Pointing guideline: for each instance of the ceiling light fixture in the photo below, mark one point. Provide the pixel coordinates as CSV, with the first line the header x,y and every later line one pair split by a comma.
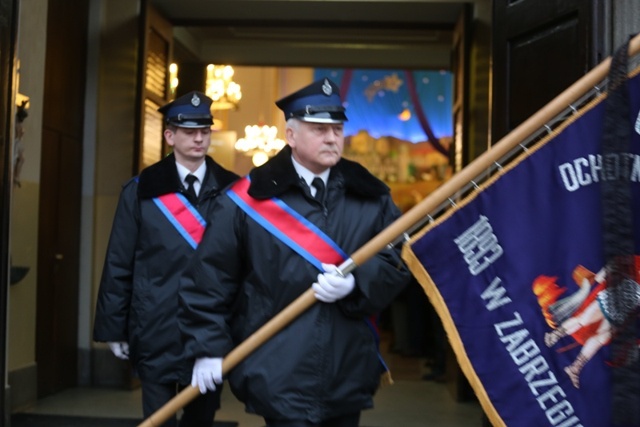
x,y
260,142
220,87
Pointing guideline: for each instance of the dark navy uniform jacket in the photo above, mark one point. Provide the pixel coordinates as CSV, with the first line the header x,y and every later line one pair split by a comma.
x,y
138,296
325,363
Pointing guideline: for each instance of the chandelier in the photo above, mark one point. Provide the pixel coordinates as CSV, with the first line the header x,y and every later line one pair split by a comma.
x,y
221,88
260,142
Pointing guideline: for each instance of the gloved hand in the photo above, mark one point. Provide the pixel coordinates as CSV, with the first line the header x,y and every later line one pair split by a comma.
x,y
207,372
120,349
331,286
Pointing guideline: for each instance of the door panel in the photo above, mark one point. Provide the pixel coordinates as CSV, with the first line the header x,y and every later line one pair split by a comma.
x,y
60,196
540,48
58,242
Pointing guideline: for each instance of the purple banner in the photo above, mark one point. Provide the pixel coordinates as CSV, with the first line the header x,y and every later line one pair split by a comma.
x,y
515,272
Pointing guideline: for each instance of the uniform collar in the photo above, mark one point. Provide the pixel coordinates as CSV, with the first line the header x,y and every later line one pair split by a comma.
x,y
198,173
307,175
162,178
278,175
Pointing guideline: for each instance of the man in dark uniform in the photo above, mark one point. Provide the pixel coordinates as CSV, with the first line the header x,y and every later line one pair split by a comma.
x,y
158,224
324,368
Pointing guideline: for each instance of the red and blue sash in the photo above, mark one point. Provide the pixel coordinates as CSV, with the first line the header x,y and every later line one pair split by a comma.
x,y
183,216
289,226
295,231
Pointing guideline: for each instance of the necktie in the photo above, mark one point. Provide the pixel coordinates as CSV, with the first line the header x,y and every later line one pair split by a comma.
x,y
191,190
318,183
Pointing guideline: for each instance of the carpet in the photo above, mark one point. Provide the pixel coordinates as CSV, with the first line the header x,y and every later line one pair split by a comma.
x,y
43,420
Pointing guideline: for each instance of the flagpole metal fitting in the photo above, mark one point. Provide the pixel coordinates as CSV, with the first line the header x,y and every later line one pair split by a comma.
x,y
346,267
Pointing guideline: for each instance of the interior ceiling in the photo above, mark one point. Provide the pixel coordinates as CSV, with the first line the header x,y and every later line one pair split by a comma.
x,y
318,33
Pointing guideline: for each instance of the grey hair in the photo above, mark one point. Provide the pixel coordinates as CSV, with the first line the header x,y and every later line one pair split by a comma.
x,y
292,123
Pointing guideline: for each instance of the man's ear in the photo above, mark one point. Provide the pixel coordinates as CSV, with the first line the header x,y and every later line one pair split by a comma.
x,y
289,135
168,136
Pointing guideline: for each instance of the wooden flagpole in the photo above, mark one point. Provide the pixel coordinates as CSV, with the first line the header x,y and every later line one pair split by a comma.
x,y
412,217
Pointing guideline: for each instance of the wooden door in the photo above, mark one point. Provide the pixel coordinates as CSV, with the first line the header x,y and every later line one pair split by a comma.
x,y
540,48
60,195
58,247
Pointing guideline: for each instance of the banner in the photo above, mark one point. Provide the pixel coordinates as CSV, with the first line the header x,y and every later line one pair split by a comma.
x,y
515,272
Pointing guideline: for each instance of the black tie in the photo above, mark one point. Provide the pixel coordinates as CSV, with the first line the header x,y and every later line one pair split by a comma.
x,y
191,190
319,184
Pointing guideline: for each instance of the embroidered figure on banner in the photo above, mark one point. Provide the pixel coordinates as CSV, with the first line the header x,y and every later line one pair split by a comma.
x,y
587,315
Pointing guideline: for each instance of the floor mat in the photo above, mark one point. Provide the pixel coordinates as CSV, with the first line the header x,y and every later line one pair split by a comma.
x,y
43,420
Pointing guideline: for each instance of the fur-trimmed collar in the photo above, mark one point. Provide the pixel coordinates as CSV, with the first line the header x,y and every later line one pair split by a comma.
x,y
278,175
162,178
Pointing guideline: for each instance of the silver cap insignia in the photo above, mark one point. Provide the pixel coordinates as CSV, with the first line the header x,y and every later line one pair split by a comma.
x,y
326,88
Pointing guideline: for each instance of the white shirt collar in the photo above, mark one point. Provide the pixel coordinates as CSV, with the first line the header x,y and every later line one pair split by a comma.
x,y
199,173
307,175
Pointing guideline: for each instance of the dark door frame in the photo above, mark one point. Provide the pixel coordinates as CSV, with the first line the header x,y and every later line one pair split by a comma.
x,y
8,37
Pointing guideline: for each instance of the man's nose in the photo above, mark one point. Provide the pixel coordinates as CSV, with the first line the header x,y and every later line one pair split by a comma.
x,y
331,136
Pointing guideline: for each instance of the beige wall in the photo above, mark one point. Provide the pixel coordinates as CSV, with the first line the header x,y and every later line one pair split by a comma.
x,y
24,208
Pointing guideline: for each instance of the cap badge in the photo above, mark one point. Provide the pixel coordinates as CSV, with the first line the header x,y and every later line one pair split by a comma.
x,y
195,101
326,88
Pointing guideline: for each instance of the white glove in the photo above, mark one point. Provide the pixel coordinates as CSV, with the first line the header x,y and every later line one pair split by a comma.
x,y
331,286
207,372
120,349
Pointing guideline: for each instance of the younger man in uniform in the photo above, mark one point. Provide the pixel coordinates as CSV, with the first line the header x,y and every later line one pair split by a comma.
x,y
158,224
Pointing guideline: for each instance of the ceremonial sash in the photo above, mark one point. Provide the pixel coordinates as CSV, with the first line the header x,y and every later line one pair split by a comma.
x,y
289,226
295,231
183,216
